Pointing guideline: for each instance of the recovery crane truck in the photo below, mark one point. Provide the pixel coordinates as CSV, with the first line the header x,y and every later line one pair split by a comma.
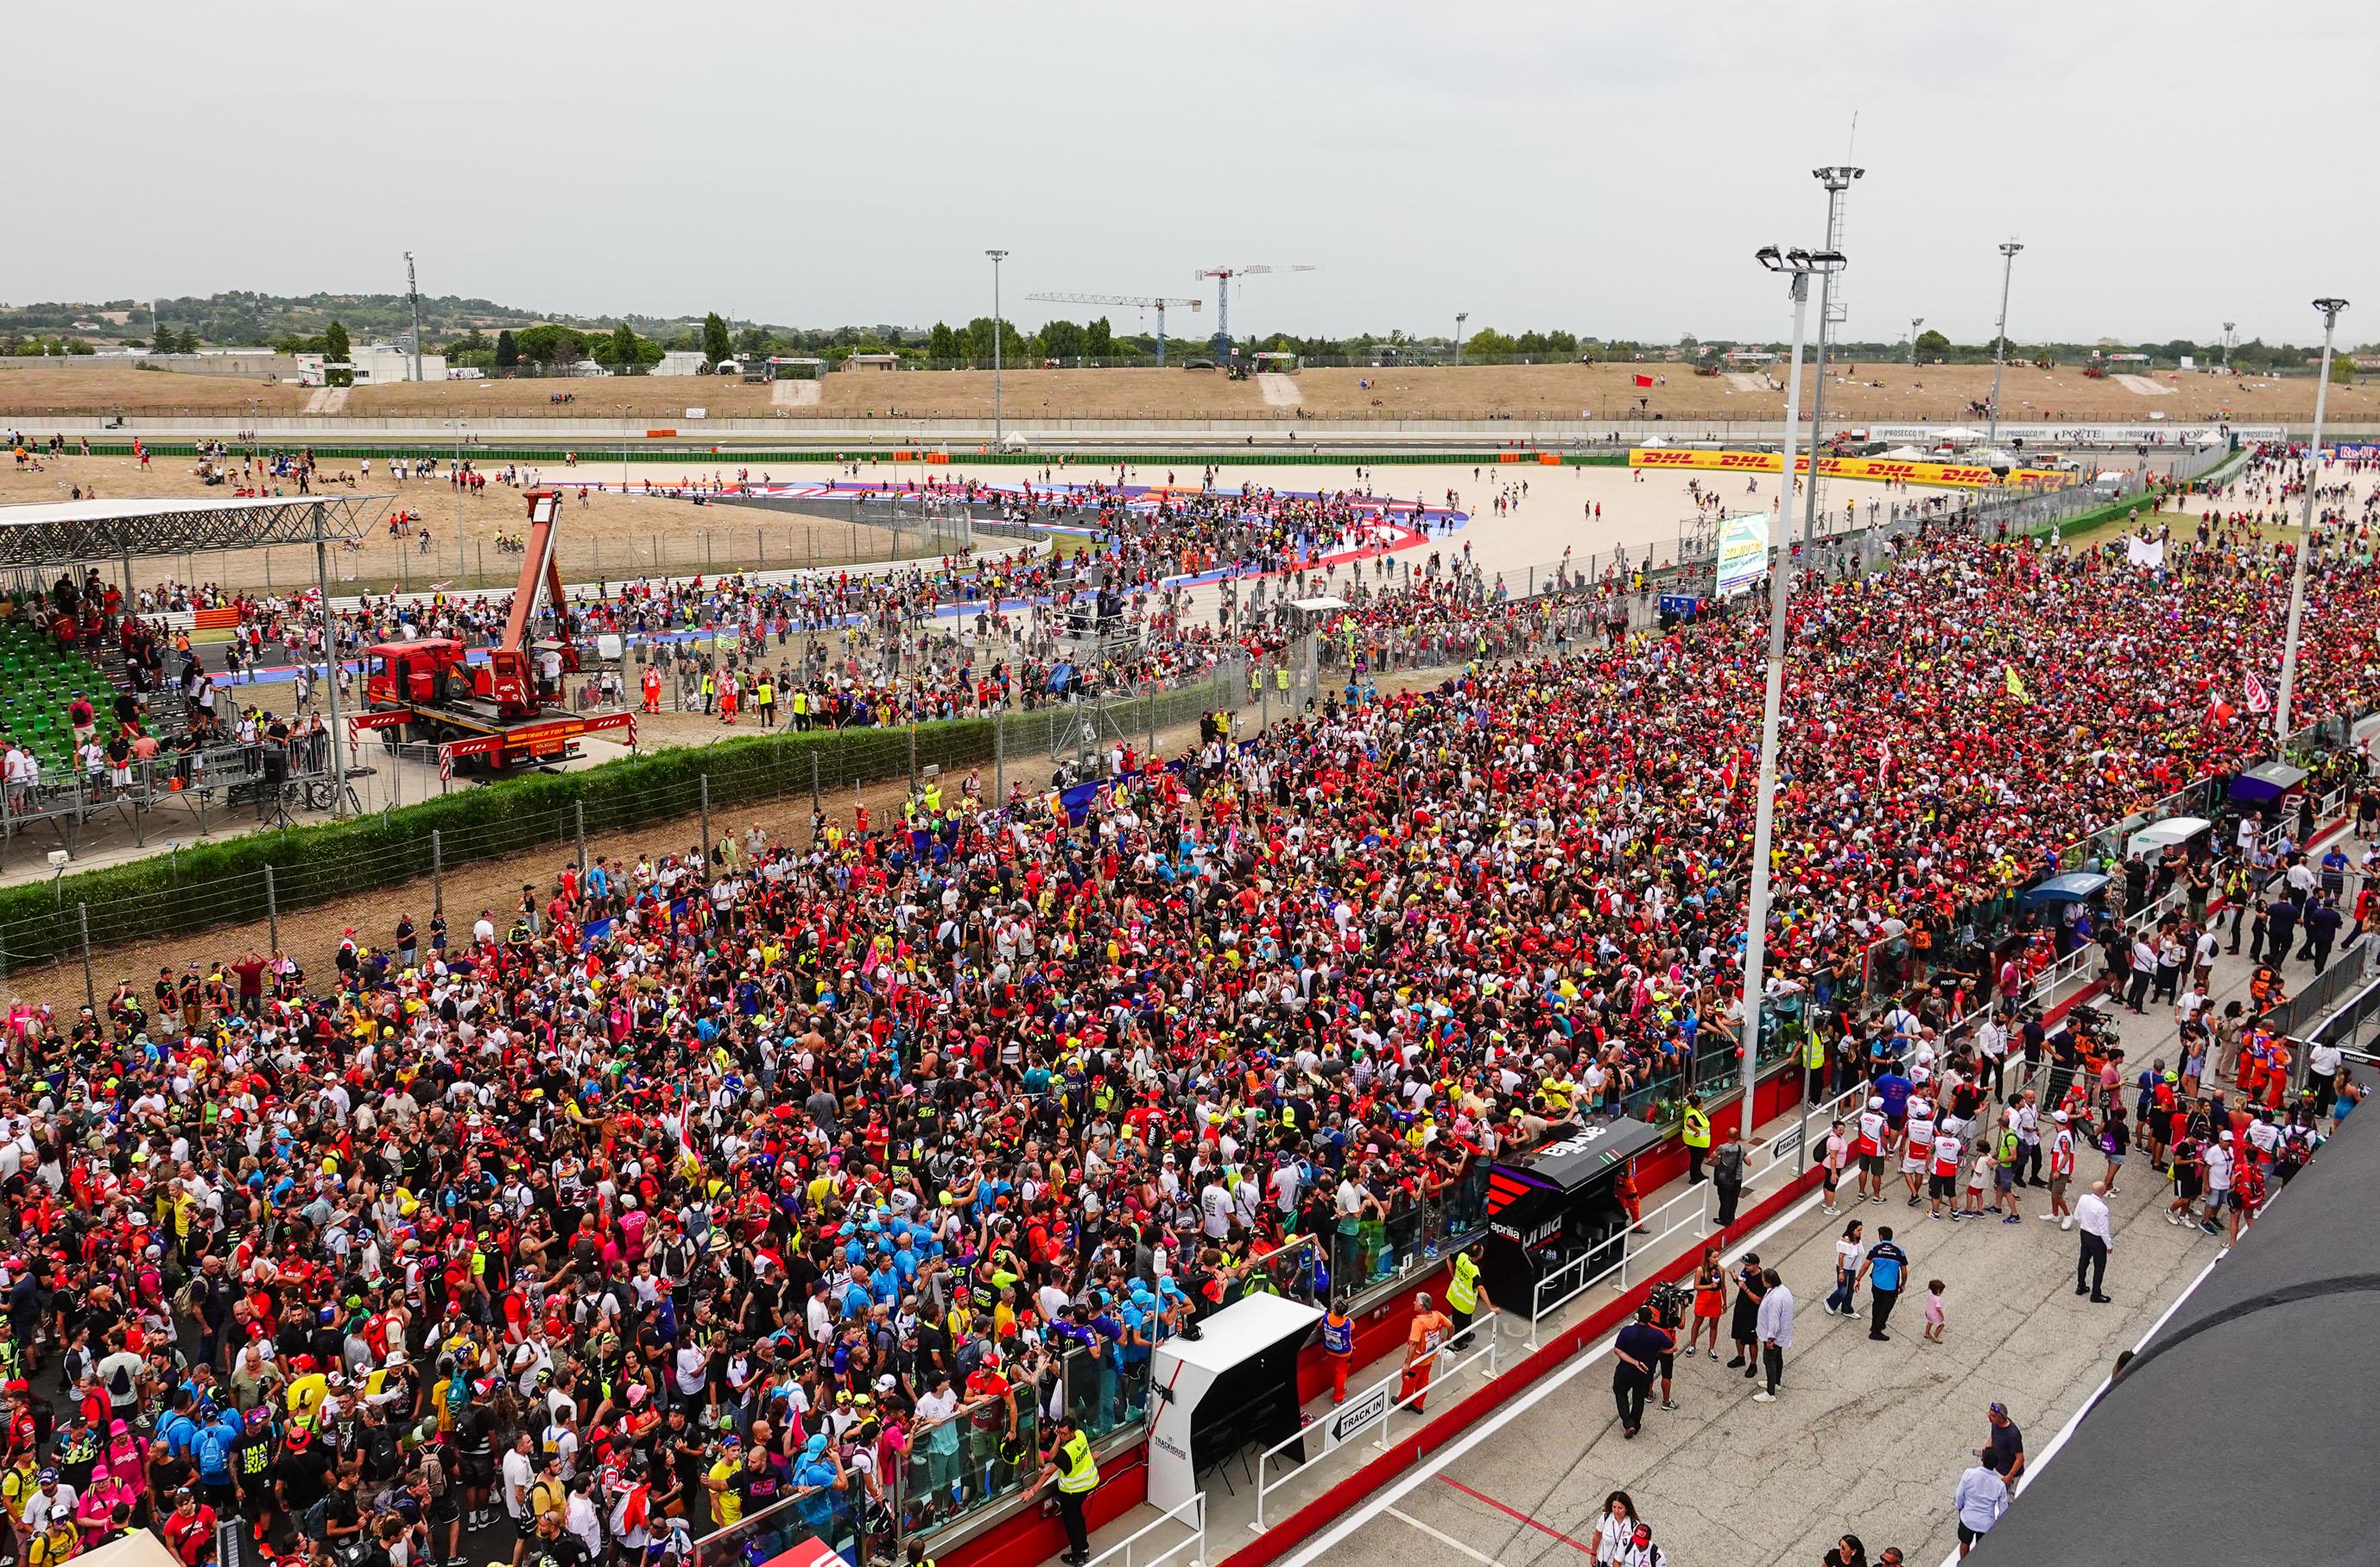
x,y
511,710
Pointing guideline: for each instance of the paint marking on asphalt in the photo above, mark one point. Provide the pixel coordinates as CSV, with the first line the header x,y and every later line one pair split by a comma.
x,y
1441,1537
1373,1507
1516,1513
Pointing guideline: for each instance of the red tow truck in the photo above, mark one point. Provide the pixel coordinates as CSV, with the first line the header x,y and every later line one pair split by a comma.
x,y
512,708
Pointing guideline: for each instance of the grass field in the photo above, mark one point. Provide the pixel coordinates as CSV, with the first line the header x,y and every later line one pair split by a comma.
x,y
1855,394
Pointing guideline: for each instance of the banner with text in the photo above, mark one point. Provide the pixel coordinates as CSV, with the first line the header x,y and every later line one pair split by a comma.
x,y
1743,553
1968,476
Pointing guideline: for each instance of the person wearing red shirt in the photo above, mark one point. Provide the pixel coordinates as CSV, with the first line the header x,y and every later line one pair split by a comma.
x,y
189,1529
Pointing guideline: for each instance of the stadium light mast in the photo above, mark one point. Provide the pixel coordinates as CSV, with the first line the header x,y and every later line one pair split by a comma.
x,y
997,257
1999,346
413,297
2230,327
1460,317
1914,323
1837,179
1798,265
2330,309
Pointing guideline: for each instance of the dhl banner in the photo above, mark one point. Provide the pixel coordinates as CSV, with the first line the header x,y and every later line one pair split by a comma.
x,y
1961,475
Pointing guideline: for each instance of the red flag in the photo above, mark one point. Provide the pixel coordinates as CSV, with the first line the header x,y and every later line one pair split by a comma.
x,y
2258,700
1643,381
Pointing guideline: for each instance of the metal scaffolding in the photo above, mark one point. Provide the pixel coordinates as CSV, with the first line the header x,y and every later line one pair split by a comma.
x,y
60,533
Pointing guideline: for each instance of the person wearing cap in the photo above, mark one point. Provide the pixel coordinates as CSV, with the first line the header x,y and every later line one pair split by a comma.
x,y
1424,1337
51,1498
189,1529
2061,1168
1069,1468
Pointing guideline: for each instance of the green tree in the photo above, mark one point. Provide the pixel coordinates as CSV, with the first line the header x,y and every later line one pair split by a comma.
x,y
1932,344
507,350
335,346
618,352
1487,341
943,344
474,342
716,343
552,347
754,341
1064,340
2342,371
1098,340
1562,343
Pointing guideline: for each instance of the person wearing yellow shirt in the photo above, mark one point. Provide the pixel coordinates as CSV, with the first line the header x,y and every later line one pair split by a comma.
x,y
306,1395
726,1501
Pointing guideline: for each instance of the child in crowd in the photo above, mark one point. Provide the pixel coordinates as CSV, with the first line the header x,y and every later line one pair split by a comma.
x,y
1933,1319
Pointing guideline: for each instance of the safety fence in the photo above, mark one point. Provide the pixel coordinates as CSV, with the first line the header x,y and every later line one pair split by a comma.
x,y
1373,1409
256,877
1187,1521
1784,1153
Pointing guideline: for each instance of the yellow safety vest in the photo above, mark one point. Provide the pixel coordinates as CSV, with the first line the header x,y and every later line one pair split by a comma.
x,y
1814,1052
1081,1473
1697,1132
1462,1290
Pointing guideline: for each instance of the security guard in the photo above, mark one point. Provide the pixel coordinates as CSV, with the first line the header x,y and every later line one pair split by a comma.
x,y
1069,1463
1696,1136
1463,1295
1814,1060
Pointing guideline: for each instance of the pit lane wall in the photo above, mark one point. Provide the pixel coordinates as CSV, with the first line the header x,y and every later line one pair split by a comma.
x,y
1028,1538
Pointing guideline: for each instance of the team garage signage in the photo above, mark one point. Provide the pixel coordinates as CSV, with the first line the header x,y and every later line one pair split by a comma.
x,y
1961,475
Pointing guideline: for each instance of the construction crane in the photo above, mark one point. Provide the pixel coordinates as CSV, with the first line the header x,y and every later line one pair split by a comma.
x,y
1222,276
1137,301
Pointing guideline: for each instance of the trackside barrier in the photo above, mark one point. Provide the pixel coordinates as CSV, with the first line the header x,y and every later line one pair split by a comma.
x,y
1376,1406
1190,1515
1689,1210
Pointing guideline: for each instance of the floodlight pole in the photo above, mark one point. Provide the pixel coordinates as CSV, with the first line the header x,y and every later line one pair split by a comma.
x,y
2330,309
1460,317
1914,323
331,662
1837,179
1798,265
1999,346
997,257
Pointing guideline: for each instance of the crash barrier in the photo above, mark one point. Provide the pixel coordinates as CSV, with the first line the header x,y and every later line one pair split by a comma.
x,y
1186,1518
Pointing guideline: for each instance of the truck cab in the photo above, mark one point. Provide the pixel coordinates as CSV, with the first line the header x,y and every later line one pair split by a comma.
x,y
429,671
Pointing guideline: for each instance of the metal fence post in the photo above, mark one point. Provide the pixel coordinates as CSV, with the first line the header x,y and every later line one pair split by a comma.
x,y
913,756
1152,718
998,756
578,820
90,991
437,872
814,780
271,909
706,821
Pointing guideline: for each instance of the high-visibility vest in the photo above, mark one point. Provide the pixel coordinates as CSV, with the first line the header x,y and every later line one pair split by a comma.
x,y
1462,1290
1697,1131
1081,1474
1338,1334
1814,1052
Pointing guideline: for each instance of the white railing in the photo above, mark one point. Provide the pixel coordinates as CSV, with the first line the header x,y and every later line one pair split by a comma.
x,y
1190,1514
1690,1208
1376,1406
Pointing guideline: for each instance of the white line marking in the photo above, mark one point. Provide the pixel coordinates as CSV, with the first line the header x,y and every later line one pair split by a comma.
x,y
1376,1505
2074,1421
1441,1537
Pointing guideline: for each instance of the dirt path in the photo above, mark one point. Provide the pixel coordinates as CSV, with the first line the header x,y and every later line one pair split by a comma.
x,y
312,934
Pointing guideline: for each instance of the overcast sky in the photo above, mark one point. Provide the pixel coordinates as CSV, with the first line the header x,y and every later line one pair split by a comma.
x,y
1608,169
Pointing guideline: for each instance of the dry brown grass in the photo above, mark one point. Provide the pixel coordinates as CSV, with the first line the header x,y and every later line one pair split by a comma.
x,y
1857,393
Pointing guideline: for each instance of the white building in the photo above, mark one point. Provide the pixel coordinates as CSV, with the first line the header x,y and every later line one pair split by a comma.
x,y
680,361
374,365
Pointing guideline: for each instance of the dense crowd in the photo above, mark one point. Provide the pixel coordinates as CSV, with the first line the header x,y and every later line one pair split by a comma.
x,y
840,1168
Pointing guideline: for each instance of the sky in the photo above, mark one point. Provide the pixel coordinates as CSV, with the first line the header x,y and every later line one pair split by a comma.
x,y
1605,169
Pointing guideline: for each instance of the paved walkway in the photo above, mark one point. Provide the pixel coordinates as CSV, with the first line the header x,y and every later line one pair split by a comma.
x,y
1867,1438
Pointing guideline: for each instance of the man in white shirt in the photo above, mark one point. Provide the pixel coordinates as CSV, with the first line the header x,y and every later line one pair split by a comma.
x,y
1776,1330
2098,1235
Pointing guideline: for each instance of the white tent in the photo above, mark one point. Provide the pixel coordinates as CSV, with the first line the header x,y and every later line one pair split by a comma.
x,y
2165,834
138,1549
2211,438
1958,433
1906,455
